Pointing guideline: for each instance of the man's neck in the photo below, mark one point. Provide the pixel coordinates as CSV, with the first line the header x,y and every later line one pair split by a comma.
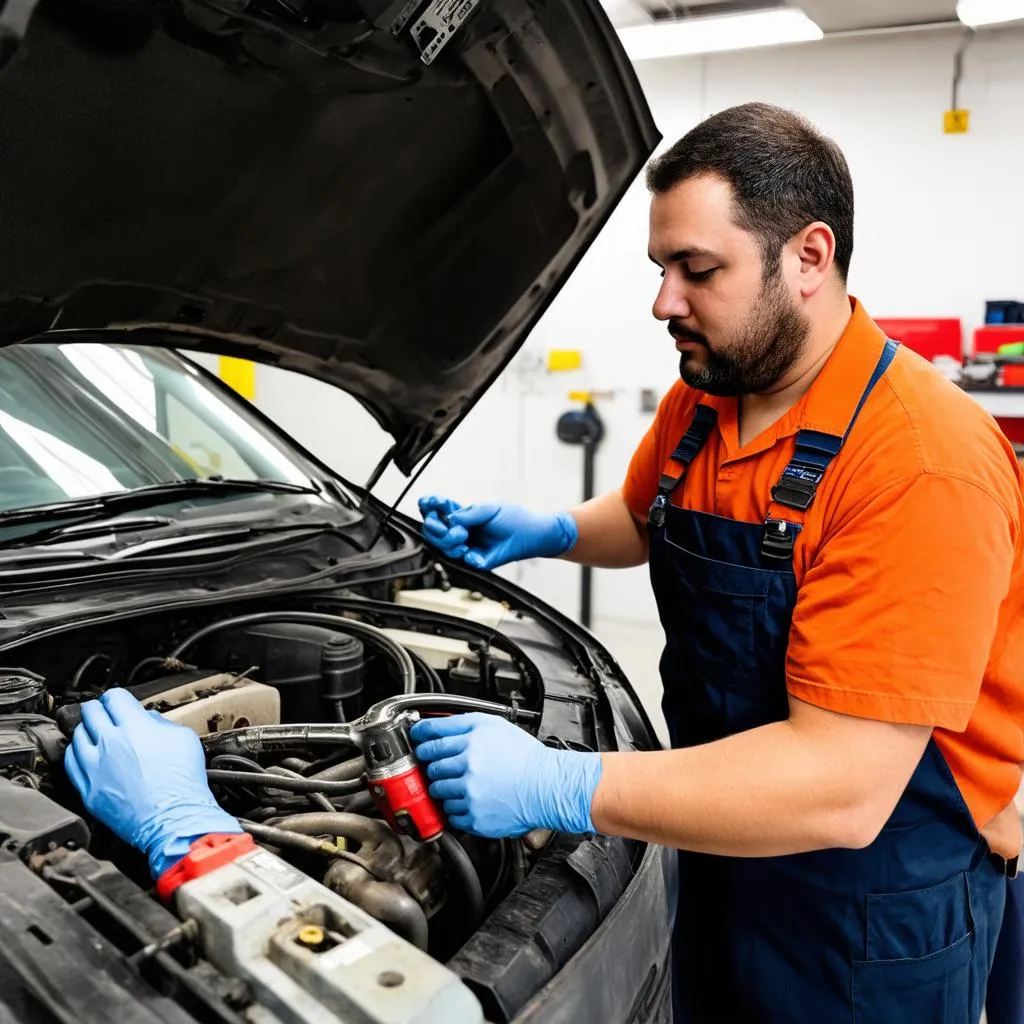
x,y
759,411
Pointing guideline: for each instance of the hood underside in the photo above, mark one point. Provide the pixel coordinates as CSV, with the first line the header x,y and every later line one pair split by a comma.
x,y
291,181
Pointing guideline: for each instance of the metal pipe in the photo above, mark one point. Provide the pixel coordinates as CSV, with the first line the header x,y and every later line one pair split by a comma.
x,y
388,902
260,738
385,900
441,702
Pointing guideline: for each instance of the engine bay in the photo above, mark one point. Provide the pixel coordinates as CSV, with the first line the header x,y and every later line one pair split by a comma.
x,y
282,698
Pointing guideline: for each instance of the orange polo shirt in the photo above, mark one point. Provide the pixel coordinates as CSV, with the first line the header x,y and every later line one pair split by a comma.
x,y
910,563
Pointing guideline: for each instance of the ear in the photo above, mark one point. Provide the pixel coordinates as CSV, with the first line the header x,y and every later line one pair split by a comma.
x,y
815,248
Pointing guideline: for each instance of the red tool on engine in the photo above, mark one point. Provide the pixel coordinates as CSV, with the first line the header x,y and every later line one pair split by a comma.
x,y
395,778
397,782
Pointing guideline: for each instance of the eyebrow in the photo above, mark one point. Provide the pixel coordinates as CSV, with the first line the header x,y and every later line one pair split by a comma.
x,y
688,254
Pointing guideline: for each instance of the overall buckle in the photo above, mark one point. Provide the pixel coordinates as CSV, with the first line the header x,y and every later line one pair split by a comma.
x,y
779,539
656,513
797,489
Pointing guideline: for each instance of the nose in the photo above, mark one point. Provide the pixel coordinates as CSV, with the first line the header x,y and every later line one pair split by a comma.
x,y
671,302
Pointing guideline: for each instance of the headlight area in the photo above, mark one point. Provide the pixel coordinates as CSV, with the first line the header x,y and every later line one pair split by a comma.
x,y
301,704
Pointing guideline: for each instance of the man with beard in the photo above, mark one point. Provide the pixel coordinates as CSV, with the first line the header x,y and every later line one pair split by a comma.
x,y
834,534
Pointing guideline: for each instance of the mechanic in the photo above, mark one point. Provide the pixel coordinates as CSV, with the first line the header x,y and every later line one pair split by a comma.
x,y
834,535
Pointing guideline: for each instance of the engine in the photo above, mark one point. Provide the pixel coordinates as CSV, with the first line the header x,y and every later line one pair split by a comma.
x,y
301,712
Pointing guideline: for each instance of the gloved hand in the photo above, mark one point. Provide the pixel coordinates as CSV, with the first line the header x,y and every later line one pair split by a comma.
x,y
144,778
487,536
495,780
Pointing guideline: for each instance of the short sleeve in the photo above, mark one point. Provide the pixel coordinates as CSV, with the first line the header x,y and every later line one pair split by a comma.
x,y
896,616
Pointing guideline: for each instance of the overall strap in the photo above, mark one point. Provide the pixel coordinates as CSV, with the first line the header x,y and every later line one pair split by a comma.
x,y
798,485
703,422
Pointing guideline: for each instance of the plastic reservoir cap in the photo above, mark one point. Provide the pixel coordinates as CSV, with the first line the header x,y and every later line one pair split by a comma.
x,y
311,935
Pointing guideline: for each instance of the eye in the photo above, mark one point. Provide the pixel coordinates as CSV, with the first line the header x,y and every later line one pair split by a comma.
x,y
699,275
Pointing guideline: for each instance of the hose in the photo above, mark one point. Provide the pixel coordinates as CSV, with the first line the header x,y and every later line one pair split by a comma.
x,y
398,654
370,834
385,900
306,844
462,868
287,784
317,799
388,902
500,874
350,769
233,762
245,764
428,672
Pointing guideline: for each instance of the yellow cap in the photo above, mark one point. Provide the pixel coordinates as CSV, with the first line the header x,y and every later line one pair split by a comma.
x,y
311,935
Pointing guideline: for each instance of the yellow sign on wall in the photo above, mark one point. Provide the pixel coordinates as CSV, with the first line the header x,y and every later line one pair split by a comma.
x,y
562,359
957,122
239,374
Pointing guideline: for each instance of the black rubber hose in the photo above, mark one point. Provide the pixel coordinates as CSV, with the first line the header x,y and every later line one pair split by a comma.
x,y
428,672
287,784
343,772
235,762
398,654
306,844
501,874
462,868
367,832
318,800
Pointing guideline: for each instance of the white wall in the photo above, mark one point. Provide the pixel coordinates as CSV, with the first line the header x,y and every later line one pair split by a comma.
x,y
939,230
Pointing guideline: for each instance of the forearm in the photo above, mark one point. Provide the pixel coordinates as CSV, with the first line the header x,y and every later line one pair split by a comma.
x,y
775,790
609,535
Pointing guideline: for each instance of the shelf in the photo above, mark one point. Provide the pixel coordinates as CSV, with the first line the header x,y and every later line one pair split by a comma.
x,y
1008,404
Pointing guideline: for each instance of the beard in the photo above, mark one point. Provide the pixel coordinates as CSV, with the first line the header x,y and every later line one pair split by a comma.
x,y
759,353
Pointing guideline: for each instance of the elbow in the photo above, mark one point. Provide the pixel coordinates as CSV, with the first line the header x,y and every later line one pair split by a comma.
x,y
858,826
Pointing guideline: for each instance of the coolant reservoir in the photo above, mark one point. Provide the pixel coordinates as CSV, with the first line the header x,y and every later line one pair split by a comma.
x,y
463,604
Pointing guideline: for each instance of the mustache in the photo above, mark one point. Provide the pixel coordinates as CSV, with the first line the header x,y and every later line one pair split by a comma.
x,y
685,334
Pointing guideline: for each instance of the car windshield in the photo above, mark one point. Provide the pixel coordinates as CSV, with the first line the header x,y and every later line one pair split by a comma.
x,y
79,420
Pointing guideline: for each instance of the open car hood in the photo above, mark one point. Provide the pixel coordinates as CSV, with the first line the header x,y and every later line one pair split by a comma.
x,y
296,182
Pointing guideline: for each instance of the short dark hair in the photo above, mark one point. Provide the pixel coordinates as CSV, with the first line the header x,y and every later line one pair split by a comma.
x,y
785,175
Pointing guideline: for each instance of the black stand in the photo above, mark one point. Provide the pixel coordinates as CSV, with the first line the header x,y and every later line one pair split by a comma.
x,y
584,427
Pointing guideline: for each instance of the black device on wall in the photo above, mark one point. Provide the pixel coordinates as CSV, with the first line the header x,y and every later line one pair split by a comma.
x,y
584,427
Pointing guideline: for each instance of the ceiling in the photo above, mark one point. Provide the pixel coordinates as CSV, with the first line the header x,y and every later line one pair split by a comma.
x,y
831,15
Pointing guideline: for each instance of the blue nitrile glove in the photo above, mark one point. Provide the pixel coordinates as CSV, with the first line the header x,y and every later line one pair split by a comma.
x,y
487,536
497,781
144,778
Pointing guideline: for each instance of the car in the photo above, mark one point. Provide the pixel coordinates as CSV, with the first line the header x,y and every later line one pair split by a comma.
x,y
384,195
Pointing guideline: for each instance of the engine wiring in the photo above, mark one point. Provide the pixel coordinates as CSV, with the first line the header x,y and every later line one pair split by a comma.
x,y
399,655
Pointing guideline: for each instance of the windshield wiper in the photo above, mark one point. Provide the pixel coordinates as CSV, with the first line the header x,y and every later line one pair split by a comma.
x,y
83,529
105,506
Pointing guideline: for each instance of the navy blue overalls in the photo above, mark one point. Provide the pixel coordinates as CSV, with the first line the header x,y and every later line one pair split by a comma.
x,y
899,933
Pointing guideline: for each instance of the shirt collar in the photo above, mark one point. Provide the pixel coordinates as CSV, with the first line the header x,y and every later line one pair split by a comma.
x,y
829,403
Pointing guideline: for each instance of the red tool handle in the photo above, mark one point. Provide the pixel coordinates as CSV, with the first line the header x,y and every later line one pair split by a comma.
x,y
406,803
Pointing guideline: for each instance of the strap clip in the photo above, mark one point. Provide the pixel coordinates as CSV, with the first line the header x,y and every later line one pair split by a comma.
x,y
656,513
797,488
779,539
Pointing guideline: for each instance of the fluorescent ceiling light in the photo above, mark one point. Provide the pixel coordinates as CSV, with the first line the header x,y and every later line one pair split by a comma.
x,y
725,32
989,12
